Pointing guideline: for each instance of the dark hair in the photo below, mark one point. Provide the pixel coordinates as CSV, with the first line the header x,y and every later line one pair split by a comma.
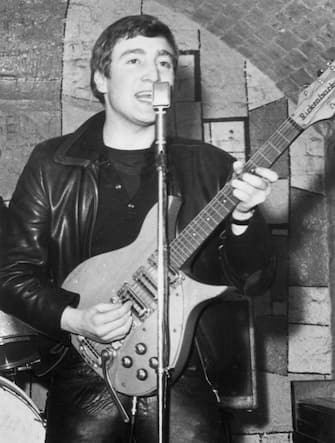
x,y
127,27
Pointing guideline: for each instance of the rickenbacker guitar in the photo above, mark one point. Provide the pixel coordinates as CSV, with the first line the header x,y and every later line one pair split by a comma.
x,y
130,273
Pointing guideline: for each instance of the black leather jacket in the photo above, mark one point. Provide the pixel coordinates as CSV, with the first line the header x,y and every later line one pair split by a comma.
x,y
52,215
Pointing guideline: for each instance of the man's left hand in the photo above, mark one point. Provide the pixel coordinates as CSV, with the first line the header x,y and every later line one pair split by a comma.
x,y
251,189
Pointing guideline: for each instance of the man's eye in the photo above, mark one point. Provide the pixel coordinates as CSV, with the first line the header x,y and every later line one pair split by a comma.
x,y
133,61
165,64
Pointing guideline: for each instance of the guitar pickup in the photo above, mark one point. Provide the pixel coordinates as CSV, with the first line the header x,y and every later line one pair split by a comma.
x,y
146,281
173,275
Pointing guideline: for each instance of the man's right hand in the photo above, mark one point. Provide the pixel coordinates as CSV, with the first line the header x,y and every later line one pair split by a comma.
x,y
103,322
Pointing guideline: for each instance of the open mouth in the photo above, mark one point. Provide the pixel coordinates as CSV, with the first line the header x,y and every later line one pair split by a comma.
x,y
144,96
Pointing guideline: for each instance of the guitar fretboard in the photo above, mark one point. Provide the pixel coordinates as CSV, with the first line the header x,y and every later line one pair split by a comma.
x,y
209,218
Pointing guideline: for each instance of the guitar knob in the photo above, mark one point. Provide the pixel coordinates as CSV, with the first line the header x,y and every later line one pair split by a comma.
x,y
153,363
127,362
141,348
142,374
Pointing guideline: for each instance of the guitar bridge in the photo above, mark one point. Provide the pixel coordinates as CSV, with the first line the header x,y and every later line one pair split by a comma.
x,y
139,308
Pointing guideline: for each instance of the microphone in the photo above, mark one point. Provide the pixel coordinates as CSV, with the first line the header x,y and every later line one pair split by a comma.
x,y
161,99
161,95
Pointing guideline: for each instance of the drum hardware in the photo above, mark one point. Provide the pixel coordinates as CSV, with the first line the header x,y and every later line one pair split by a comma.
x,y
18,345
18,353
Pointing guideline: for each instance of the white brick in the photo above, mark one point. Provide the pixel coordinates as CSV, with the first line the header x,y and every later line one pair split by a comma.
x,y
223,82
261,89
75,113
275,209
277,438
309,305
307,161
251,438
309,349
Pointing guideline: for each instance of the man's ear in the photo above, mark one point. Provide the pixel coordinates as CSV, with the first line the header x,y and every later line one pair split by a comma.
x,y
100,82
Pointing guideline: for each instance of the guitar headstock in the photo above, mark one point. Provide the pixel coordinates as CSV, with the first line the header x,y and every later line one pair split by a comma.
x,y
317,101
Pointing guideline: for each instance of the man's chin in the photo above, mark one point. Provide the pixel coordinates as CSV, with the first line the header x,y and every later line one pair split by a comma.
x,y
147,119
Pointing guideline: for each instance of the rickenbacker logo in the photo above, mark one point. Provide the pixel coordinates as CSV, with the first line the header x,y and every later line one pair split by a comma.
x,y
318,100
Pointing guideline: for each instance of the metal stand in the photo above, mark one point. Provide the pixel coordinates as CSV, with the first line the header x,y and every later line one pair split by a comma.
x,y
161,102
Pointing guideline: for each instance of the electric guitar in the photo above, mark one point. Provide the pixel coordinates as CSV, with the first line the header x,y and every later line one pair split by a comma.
x,y
129,365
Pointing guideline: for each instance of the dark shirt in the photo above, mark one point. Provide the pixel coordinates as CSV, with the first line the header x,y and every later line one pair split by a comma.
x,y
120,214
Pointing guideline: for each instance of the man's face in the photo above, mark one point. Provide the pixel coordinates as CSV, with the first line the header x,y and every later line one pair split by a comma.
x,y
136,64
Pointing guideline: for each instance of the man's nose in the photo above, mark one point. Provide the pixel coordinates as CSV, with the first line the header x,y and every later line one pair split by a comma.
x,y
151,72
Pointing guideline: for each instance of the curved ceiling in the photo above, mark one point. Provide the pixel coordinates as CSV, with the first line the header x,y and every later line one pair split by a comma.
x,y
288,40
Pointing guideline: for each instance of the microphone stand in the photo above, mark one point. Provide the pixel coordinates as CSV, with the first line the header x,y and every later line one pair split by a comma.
x,y
160,103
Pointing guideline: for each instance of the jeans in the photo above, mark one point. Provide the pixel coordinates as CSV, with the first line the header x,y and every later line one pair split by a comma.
x,y
80,409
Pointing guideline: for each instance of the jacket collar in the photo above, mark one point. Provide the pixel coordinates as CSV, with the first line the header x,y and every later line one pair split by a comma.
x,y
81,147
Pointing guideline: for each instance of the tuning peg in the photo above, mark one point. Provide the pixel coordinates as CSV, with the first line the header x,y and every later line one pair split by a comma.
x,y
329,65
304,89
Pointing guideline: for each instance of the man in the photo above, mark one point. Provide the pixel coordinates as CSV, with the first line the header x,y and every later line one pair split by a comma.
x,y
88,193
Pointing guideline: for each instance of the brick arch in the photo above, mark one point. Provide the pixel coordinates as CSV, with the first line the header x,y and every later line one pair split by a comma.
x,y
289,41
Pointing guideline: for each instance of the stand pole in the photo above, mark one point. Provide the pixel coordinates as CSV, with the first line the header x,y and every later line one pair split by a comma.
x,y
161,101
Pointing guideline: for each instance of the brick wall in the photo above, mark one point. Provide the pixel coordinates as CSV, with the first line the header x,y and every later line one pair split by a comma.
x,y
31,35
288,40
224,97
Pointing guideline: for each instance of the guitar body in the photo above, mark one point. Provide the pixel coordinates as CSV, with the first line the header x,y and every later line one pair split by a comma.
x,y
116,274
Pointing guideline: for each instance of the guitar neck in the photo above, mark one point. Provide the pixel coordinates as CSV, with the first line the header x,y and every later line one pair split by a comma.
x,y
195,233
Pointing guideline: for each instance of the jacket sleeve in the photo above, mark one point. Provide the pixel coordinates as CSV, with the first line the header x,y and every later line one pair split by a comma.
x,y
249,260
246,261
26,287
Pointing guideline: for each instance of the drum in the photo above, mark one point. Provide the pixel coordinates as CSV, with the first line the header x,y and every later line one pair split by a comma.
x,y
18,344
20,420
